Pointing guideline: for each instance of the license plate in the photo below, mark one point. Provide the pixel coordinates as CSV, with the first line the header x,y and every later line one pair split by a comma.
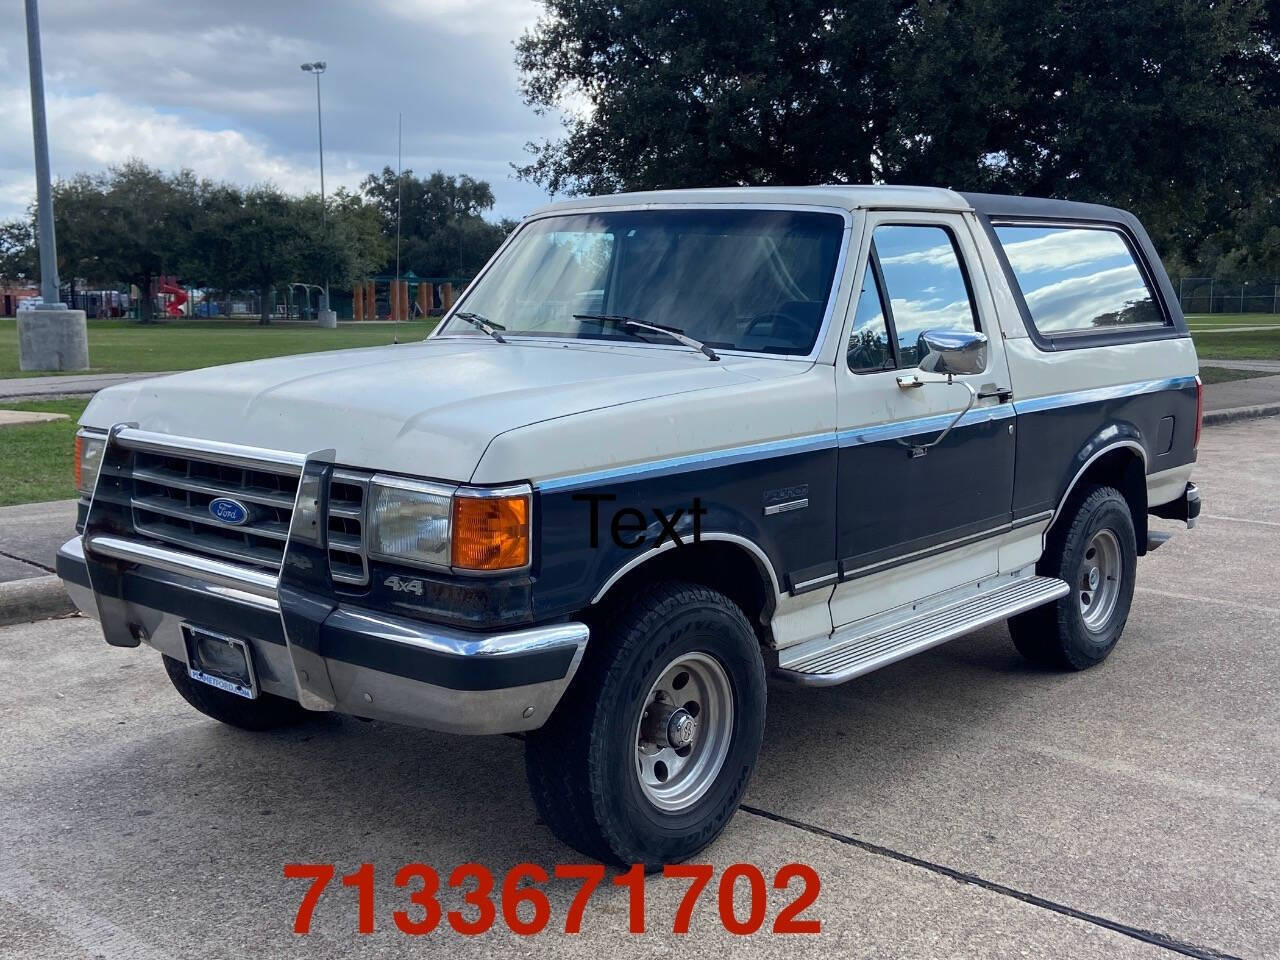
x,y
220,661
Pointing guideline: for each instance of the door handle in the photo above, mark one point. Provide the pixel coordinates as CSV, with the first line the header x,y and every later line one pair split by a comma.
x,y
1001,394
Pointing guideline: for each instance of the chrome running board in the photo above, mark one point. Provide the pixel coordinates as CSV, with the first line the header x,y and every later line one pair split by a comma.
x,y
860,649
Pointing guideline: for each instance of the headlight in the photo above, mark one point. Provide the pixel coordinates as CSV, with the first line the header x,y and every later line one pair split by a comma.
x,y
89,449
410,520
435,525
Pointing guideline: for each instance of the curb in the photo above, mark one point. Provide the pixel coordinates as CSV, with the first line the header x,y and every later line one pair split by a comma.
x,y
37,598
1232,414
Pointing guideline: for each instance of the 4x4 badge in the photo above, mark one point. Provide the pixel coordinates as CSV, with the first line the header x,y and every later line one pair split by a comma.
x,y
400,585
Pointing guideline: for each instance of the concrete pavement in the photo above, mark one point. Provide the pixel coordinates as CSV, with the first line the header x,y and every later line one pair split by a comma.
x,y
30,535
33,388
1256,393
957,804
1267,365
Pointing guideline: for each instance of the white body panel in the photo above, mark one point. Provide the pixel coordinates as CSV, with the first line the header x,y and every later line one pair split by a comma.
x,y
431,409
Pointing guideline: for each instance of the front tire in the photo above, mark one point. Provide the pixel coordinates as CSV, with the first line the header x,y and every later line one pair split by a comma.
x,y
648,755
1093,548
267,712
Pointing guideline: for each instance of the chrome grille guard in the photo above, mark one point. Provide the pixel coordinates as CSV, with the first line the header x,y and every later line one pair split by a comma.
x,y
108,544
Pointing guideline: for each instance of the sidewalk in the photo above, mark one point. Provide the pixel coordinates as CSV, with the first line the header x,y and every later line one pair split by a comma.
x,y
1270,366
1259,396
30,535
33,388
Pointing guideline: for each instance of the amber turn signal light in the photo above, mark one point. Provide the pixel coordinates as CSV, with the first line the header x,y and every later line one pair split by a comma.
x,y
79,462
490,533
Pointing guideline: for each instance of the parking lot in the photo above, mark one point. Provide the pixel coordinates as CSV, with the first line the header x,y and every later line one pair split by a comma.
x,y
957,804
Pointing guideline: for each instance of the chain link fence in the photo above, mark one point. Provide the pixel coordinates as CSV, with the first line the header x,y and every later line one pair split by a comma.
x,y
1211,295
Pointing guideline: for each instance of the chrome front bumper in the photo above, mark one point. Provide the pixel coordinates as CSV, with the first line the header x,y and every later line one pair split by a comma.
x,y
378,665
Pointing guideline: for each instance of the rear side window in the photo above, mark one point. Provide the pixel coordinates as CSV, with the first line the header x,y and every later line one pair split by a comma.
x,y
1078,279
925,284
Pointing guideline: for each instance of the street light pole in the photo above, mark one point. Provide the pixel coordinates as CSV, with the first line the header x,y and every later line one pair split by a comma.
x,y
318,67
50,337
44,191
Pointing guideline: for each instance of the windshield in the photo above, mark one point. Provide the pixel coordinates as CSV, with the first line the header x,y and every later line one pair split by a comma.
x,y
754,280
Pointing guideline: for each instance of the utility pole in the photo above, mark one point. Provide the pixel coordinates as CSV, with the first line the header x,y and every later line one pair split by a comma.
x,y
324,316
50,337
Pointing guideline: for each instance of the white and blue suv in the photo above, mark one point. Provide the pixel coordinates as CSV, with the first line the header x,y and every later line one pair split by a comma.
x,y
667,445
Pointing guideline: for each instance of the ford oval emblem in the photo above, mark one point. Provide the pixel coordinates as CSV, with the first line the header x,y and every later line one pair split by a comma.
x,y
228,511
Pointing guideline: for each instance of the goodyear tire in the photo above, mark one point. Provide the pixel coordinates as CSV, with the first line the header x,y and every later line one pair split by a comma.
x,y
1092,547
647,757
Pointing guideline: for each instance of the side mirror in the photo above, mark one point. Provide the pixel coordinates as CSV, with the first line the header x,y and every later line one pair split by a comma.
x,y
953,352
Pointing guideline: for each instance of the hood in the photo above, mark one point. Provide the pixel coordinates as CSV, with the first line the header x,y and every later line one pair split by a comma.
x,y
428,408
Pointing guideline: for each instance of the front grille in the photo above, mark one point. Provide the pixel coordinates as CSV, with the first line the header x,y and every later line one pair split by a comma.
x,y
347,560
171,497
172,492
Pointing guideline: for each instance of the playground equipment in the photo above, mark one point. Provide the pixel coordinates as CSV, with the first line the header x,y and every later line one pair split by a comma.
x,y
179,297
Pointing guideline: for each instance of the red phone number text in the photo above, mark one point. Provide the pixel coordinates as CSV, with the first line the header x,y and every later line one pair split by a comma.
x,y
740,897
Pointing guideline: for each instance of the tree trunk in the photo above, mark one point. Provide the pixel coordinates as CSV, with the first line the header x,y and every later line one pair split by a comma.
x,y
146,304
265,318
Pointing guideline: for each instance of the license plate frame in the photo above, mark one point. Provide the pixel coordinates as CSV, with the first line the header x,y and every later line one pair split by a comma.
x,y
229,678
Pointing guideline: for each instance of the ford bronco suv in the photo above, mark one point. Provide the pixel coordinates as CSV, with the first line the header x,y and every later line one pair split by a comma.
x,y
667,445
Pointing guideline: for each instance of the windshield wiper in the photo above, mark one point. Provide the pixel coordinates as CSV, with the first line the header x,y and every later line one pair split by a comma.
x,y
483,323
673,332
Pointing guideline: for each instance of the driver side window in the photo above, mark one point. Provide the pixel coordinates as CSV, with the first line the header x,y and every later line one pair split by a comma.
x,y
925,284
869,346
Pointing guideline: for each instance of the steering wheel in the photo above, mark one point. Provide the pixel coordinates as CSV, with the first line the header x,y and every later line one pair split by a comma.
x,y
774,317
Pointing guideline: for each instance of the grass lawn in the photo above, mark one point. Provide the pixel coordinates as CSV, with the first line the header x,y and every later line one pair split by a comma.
x,y
36,460
1208,321
1244,345
122,346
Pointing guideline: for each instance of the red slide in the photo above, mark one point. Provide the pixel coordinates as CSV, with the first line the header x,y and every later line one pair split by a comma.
x,y
174,309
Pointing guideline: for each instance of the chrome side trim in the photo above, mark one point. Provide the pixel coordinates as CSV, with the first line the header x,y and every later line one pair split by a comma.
x,y
907,428
776,508
813,584
852,437
187,564
1098,394
251,458
652,552
1118,445
855,572
712,458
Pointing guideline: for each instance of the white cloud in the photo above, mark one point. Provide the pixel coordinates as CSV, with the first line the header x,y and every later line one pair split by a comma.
x,y
1061,249
215,87
1073,303
101,130
943,255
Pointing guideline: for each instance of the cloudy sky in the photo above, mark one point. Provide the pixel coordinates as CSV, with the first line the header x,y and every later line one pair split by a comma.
x,y
216,86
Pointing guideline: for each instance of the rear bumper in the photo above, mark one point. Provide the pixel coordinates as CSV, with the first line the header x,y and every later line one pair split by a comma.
x,y
1185,507
378,665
